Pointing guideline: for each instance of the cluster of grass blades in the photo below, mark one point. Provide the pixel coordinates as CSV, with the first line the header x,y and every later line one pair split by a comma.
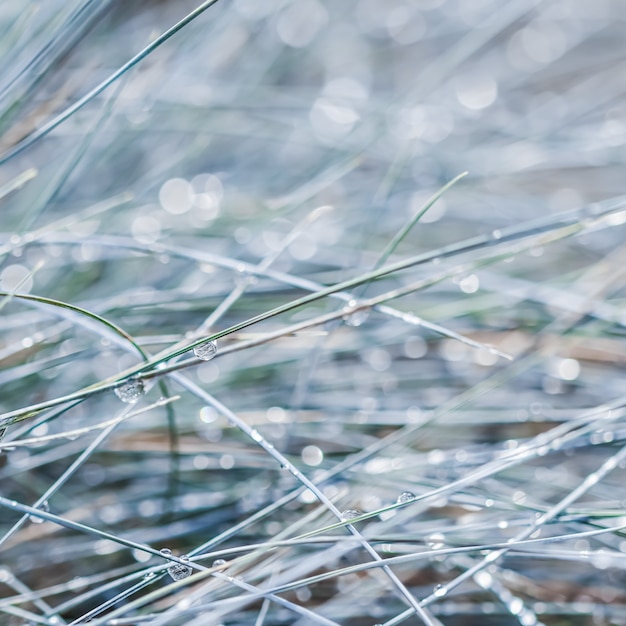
x,y
311,313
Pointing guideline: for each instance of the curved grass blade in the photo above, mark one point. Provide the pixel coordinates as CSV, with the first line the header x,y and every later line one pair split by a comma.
x,y
96,91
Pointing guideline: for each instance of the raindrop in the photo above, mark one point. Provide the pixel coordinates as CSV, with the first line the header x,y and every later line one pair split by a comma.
x,y
469,284
352,317
206,351
516,606
567,369
405,496
176,196
243,278
219,562
439,591
45,507
497,234
351,514
165,551
130,391
141,556
256,435
415,347
435,541
178,571
312,455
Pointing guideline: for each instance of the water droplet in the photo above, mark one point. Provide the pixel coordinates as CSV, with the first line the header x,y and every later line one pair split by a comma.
x,y
243,278
219,562
496,234
178,571
351,514
206,351
470,284
256,435
130,391
45,507
405,496
352,317
440,591
435,541
566,369
149,576
165,551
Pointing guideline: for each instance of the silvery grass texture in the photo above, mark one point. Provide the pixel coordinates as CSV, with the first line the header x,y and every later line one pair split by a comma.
x,y
311,312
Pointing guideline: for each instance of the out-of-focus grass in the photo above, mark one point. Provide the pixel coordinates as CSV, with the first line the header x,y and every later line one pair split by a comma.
x,y
359,450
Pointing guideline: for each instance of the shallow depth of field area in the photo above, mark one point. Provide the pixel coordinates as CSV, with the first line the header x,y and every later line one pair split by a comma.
x,y
312,312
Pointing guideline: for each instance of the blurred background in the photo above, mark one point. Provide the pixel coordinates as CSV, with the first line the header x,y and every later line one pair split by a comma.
x,y
268,149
